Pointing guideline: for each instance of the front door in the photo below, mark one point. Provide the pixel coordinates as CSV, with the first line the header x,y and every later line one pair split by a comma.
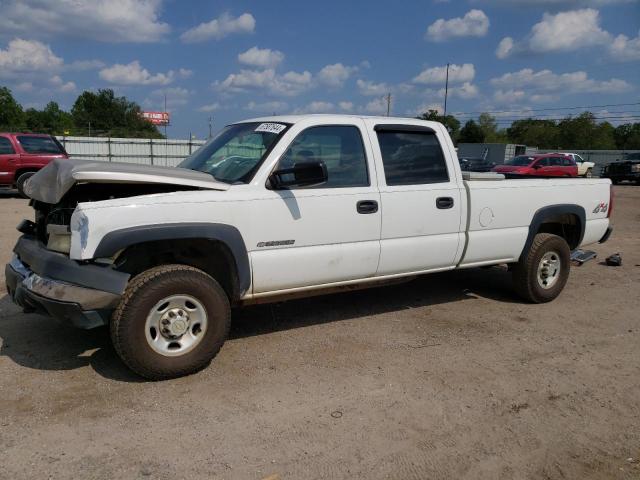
x,y
421,200
322,234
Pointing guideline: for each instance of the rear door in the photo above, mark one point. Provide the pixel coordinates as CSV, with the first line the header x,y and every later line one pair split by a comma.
x,y
420,199
323,234
38,150
8,161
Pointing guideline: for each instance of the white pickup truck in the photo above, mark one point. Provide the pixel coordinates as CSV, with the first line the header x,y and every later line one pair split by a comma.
x,y
276,207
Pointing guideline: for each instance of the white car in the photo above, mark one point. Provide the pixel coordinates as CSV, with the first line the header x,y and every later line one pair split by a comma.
x,y
585,169
278,207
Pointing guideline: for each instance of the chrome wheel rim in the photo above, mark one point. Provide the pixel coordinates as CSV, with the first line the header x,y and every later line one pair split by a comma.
x,y
176,325
549,270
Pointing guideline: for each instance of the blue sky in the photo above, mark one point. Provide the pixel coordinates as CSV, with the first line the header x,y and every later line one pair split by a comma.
x,y
240,59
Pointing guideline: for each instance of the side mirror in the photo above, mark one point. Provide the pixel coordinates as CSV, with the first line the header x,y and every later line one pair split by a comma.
x,y
302,174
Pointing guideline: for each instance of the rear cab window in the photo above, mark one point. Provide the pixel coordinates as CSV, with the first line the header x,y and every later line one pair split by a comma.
x,y
42,145
411,156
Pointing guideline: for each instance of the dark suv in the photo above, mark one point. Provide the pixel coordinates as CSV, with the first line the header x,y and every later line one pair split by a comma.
x,y
626,169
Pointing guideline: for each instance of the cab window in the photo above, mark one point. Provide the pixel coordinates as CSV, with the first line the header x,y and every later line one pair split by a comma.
x,y
5,146
341,149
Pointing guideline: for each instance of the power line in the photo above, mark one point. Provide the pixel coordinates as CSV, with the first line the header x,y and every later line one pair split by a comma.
x,y
550,109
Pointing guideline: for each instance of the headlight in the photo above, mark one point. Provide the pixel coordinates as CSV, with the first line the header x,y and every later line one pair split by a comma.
x,y
59,238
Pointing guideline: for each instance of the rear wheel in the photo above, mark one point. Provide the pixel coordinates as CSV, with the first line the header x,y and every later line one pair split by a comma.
x,y
543,271
172,321
21,181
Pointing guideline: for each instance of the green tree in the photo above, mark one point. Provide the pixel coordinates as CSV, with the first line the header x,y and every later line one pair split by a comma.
x,y
449,121
534,133
11,114
107,115
627,136
471,133
489,127
51,120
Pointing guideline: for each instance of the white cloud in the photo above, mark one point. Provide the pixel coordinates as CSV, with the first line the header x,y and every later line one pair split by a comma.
x,y
81,65
62,86
506,97
134,74
335,75
269,107
625,49
437,75
176,97
261,57
288,84
377,106
545,82
317,107
505,48
210,107
424,108
220,27
465,91
114,21
346,106
28,57
475,23
569,31
369,88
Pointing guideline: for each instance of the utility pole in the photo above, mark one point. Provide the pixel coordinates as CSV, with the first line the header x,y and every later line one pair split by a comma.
x,y
210,128
446,91
388,97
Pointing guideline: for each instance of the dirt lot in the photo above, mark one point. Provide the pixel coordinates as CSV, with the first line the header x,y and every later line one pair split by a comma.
x,y
448,376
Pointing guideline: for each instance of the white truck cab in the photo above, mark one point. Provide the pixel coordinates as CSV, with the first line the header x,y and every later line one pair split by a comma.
x,y
275,207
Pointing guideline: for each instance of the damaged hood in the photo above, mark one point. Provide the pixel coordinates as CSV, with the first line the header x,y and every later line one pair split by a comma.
x,y
51,183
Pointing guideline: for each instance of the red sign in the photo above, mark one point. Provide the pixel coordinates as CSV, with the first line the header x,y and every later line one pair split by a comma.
x,y
157,118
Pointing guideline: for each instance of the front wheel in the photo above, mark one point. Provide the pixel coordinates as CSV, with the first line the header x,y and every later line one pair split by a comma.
x,y
171,321
21,181
542,272
589,173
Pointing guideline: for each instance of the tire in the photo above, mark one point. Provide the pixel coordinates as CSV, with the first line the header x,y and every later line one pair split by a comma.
x,y
589,173
199,312
530,274
21,180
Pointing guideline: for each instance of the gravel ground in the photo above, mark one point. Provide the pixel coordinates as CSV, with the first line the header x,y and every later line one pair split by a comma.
x,y
447,376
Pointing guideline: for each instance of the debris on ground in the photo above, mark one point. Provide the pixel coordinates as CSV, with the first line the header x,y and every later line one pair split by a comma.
x,y
614,260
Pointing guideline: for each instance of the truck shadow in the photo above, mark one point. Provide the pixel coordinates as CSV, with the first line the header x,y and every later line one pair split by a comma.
x,y
37,342
9,193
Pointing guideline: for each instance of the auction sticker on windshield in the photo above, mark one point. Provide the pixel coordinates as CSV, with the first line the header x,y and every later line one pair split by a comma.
x,y
270,127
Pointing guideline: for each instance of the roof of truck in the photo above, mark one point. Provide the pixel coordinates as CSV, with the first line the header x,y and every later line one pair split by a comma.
x,y
332,117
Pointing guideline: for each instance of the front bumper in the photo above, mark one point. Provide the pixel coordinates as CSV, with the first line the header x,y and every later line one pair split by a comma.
x,y
68,300
622,176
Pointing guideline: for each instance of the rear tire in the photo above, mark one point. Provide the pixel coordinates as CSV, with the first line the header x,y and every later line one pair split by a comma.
x,y
171,321
542,272
21,181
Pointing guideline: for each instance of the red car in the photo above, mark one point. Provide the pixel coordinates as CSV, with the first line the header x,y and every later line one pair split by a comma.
x,y
542,165
23,154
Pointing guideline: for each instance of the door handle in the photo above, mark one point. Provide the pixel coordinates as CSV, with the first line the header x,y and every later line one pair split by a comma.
x,y
367,206
444,202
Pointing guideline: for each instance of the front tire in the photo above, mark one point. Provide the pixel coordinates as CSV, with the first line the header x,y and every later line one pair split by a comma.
x,y
589,173
542,272
171,321
21,181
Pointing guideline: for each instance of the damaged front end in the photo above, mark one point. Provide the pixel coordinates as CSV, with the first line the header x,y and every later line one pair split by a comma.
x,y
46,274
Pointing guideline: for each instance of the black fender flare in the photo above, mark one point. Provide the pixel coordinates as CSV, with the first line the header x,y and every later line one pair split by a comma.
x,y
550,211
230,236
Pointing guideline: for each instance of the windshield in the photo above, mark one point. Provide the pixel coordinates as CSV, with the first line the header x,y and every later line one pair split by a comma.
x,y
236,152
520,161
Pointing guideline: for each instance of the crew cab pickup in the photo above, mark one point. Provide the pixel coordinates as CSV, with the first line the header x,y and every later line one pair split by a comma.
x,y
23,154
278,207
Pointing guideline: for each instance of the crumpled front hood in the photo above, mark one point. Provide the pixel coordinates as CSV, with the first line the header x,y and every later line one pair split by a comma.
x,y
51,183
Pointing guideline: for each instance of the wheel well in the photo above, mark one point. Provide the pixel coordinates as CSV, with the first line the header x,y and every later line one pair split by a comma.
x,y
566,225
210,256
